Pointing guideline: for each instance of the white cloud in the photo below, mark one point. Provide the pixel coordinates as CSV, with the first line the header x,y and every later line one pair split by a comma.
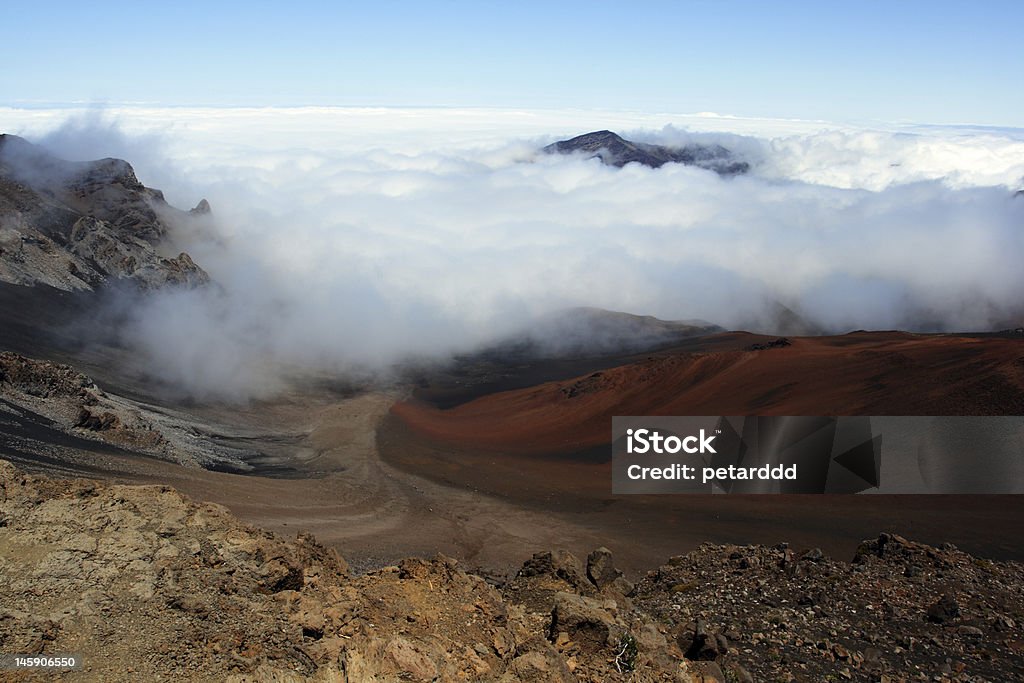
x,y
352,237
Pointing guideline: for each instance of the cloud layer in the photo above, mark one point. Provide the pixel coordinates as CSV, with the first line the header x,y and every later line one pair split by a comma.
x,y
349,240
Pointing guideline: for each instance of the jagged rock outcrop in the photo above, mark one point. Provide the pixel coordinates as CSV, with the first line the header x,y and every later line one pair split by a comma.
x,y
76,225
201,209
614,150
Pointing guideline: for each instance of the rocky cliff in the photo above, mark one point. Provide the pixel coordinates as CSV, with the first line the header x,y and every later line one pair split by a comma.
x,y
76,225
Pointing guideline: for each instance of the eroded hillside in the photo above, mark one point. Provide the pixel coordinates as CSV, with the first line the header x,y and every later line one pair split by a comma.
x,y
145,584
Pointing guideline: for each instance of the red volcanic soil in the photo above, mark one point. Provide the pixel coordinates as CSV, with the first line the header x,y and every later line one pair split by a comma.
x,y
862,373
547,446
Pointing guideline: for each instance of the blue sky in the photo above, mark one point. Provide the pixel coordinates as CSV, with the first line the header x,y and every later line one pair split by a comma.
x,y
928,62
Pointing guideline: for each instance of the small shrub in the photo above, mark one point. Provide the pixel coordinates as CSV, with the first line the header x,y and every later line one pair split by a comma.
x,y
626,653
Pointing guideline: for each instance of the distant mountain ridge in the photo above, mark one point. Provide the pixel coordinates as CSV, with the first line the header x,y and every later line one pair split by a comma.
x,y
614,150
588,331
76,225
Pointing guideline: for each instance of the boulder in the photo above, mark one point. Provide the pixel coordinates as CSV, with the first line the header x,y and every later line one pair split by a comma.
x,y
601,569
585,621
944,610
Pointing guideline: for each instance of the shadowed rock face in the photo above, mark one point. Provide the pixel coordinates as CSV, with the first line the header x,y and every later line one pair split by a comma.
x,y
614,150
76,225
44,401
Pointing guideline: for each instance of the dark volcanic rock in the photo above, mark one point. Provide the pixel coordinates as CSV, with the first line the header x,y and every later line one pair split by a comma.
x,y
614,150
705,645
943,610
780,343
558,563
601,569
866,618
583,619
76,225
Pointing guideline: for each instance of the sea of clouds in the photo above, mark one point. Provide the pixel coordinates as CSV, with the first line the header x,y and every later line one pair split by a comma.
x,y
347,240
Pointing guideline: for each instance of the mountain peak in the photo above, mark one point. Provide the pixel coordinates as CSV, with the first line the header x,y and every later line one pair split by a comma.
x,y
614,150
201,209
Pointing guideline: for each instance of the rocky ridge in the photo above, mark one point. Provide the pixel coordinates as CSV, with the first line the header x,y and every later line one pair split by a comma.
x,y
148,585
77,225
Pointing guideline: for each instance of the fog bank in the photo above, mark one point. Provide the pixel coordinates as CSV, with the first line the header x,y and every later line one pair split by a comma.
x,y
350,245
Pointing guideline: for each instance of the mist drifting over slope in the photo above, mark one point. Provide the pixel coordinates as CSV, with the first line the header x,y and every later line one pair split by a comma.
x,y
347,240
